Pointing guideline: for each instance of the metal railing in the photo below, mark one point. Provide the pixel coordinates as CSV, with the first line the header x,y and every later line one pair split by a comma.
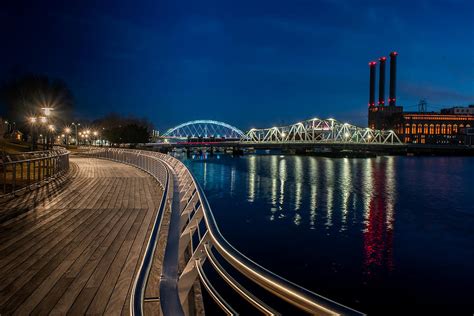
x,y
27,170
197,220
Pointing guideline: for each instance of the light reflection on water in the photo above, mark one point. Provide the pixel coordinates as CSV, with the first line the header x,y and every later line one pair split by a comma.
x,y
338,219
311,175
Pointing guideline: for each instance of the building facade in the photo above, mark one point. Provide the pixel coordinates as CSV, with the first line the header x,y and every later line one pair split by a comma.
x,y
449,126
434,128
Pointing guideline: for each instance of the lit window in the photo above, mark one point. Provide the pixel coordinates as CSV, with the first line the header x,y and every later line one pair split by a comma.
x,y
431,129
425,129
437,130
449,129
443,128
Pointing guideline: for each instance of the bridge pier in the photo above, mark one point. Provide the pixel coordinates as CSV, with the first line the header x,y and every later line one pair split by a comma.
x,y
237,151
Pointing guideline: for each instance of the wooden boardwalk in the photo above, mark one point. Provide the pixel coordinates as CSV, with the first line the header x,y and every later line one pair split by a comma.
x,y
74,245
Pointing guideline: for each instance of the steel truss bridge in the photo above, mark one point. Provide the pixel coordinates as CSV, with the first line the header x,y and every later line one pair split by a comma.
x,y
317,132
320,131
204,129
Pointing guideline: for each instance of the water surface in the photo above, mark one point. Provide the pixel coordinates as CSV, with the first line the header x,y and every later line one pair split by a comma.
x,y
378,234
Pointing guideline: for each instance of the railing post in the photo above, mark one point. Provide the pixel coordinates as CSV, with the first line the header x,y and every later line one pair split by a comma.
x,y
14,177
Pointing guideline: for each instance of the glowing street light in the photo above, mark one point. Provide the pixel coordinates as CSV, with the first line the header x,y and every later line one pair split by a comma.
x,y
47,110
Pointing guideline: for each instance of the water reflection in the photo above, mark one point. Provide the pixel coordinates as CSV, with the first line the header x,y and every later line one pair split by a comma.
x,y
252,174
300,183
378,233
282,175
321,193
341,219
346,188
313,203
329,185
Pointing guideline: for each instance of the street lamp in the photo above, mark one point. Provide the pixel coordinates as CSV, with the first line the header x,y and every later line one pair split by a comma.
x,y
95,133
47,110
75,129
51,129
67,130
32,121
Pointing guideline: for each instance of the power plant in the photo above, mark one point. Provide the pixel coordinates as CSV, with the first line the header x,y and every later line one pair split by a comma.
x,y
449,126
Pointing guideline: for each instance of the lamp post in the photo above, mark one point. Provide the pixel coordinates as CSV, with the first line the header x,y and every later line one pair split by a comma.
x,y
32,121
43,120
95,133
47,111
75,132
67,130
51,129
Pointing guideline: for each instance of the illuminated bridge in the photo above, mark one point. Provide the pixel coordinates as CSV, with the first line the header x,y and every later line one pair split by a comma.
x,y
313,135
324,131
204,129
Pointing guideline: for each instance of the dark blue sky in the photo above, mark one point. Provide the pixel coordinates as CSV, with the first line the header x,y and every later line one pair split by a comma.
x,y
248,63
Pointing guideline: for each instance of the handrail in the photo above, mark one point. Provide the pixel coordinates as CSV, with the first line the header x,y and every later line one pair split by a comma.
x,y
264,308
289,291
17,175
296,295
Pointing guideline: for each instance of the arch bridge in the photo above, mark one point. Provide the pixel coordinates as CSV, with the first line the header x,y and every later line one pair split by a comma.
x,y
204,129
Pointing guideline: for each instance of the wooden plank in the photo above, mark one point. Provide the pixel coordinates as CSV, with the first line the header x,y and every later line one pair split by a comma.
x,y
122,289
75,248
108,284
87,294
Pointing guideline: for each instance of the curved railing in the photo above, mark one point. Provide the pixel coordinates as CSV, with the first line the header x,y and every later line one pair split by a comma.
x,y
195,209
26,170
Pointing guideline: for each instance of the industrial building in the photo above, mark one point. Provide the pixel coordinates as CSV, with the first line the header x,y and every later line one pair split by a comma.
x,y
449,126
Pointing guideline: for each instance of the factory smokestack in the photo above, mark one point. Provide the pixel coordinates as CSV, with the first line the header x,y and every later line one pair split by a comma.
x,y
382,81
393,78
372,66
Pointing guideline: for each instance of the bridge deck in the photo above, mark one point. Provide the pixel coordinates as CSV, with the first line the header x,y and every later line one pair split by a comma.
x,y
74,247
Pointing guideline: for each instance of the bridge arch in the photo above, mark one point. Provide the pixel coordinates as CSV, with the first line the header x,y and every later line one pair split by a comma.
x,y
204,128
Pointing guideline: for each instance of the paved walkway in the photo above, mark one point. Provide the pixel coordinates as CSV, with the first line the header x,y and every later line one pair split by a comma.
x,y
74,245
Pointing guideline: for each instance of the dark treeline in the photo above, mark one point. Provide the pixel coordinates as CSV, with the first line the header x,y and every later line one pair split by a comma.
x,y
119,129
26,96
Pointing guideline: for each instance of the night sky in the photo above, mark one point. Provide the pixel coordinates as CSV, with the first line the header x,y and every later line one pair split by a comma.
x,y
248,63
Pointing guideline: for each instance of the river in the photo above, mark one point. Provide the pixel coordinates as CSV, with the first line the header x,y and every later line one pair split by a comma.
x,y
381,235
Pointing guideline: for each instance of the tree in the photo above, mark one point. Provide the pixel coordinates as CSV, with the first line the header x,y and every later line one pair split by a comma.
x,y
124,130
27,95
